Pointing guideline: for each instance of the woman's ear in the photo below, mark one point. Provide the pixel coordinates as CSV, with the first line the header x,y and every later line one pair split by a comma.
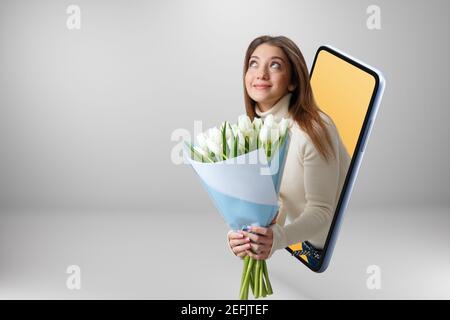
x,y
291,87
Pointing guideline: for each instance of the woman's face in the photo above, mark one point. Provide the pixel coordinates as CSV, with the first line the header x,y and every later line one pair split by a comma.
x,y
268,76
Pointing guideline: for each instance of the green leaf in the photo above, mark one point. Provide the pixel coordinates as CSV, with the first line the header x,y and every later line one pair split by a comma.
x,y
235,147
195,155
224,139
246,144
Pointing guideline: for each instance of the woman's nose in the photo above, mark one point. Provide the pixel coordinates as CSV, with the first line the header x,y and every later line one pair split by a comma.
x,y
262,74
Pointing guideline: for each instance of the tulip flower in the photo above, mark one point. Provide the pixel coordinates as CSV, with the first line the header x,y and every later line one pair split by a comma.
x,y
269,121
257,123
245,125
201,139
284,125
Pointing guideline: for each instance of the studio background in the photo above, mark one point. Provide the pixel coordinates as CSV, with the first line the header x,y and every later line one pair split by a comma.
x,y
87,178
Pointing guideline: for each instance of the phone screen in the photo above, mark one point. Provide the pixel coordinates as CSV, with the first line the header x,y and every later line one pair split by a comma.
x,y
349,92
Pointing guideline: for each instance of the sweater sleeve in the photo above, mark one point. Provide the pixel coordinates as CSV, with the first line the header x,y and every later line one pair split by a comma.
x,y
321,180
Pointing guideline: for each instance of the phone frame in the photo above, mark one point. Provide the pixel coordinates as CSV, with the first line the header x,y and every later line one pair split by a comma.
x,y
357,156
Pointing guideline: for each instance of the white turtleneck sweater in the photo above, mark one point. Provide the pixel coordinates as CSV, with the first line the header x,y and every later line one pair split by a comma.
x,y
310,186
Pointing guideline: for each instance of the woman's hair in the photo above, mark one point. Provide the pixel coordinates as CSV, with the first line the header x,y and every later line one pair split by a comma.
x,y
303,108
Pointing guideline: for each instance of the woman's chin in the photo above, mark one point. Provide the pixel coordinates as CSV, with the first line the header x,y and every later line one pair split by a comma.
x,y
261,97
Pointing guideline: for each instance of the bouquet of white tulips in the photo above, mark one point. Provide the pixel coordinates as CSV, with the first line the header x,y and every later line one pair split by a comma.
x,y
240,166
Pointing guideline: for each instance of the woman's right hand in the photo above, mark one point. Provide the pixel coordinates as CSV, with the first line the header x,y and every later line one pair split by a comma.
x,y
238,243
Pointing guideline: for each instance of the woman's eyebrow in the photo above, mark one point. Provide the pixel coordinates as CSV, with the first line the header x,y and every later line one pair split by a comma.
x,y
274,57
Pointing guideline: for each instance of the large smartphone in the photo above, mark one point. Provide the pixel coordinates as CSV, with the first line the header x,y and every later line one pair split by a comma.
x,y
349,91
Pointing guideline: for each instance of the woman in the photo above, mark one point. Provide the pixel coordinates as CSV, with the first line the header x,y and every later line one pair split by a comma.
x,y
276,81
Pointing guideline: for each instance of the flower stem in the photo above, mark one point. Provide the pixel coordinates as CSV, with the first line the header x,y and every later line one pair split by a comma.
x,y
262,291
244,292
268,285
244,271
252,281
257,278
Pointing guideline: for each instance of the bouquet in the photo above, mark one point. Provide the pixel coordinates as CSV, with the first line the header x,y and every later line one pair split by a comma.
x,y
240,165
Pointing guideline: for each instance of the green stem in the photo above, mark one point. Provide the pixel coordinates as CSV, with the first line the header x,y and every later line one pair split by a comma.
x,y
247,287
242,295
262,291
246,144
244,271
235,147
268,285
257,279
252,281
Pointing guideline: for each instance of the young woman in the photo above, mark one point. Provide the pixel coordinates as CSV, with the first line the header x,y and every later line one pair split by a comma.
x,y
276,81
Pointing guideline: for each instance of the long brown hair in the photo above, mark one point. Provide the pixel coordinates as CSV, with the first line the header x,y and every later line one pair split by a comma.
x,y
303,107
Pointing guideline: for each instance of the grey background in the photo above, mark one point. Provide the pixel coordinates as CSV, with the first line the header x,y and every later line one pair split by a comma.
x,y
86,176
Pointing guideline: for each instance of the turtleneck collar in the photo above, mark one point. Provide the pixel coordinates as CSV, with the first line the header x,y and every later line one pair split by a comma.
x,y
279,110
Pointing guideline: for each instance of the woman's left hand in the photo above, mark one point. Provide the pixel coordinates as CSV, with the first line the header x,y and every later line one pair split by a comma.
x,y
261,242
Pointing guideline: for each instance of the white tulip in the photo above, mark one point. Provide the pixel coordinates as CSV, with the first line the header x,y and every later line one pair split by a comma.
x,y
274,134
215,135
214,147
264,134
234,128
284,125
257,123
228,131
252,136
214,141
201,151
230,143
201,139
269,121
245,125
241,138
241,142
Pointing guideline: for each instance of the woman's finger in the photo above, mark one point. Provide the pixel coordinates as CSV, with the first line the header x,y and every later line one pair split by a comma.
x,y
254,237
259,249
237,242
260,230
255,256
235,235
239,249
257,238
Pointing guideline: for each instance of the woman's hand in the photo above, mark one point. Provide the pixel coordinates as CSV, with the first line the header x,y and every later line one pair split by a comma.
x,y
239,243
261,242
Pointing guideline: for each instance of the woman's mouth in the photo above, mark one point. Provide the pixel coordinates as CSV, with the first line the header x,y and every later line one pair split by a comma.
x,y
261,86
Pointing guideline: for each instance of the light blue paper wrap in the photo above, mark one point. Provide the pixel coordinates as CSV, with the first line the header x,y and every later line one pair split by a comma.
x,y
244,189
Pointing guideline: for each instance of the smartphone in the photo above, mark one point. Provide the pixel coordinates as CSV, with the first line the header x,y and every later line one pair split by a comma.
x,y
349,91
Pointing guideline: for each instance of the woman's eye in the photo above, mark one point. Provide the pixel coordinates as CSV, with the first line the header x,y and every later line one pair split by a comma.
x,y
276,65
252,63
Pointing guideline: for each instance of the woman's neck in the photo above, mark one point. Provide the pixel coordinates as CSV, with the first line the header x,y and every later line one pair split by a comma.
x,y
267,106
279,110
